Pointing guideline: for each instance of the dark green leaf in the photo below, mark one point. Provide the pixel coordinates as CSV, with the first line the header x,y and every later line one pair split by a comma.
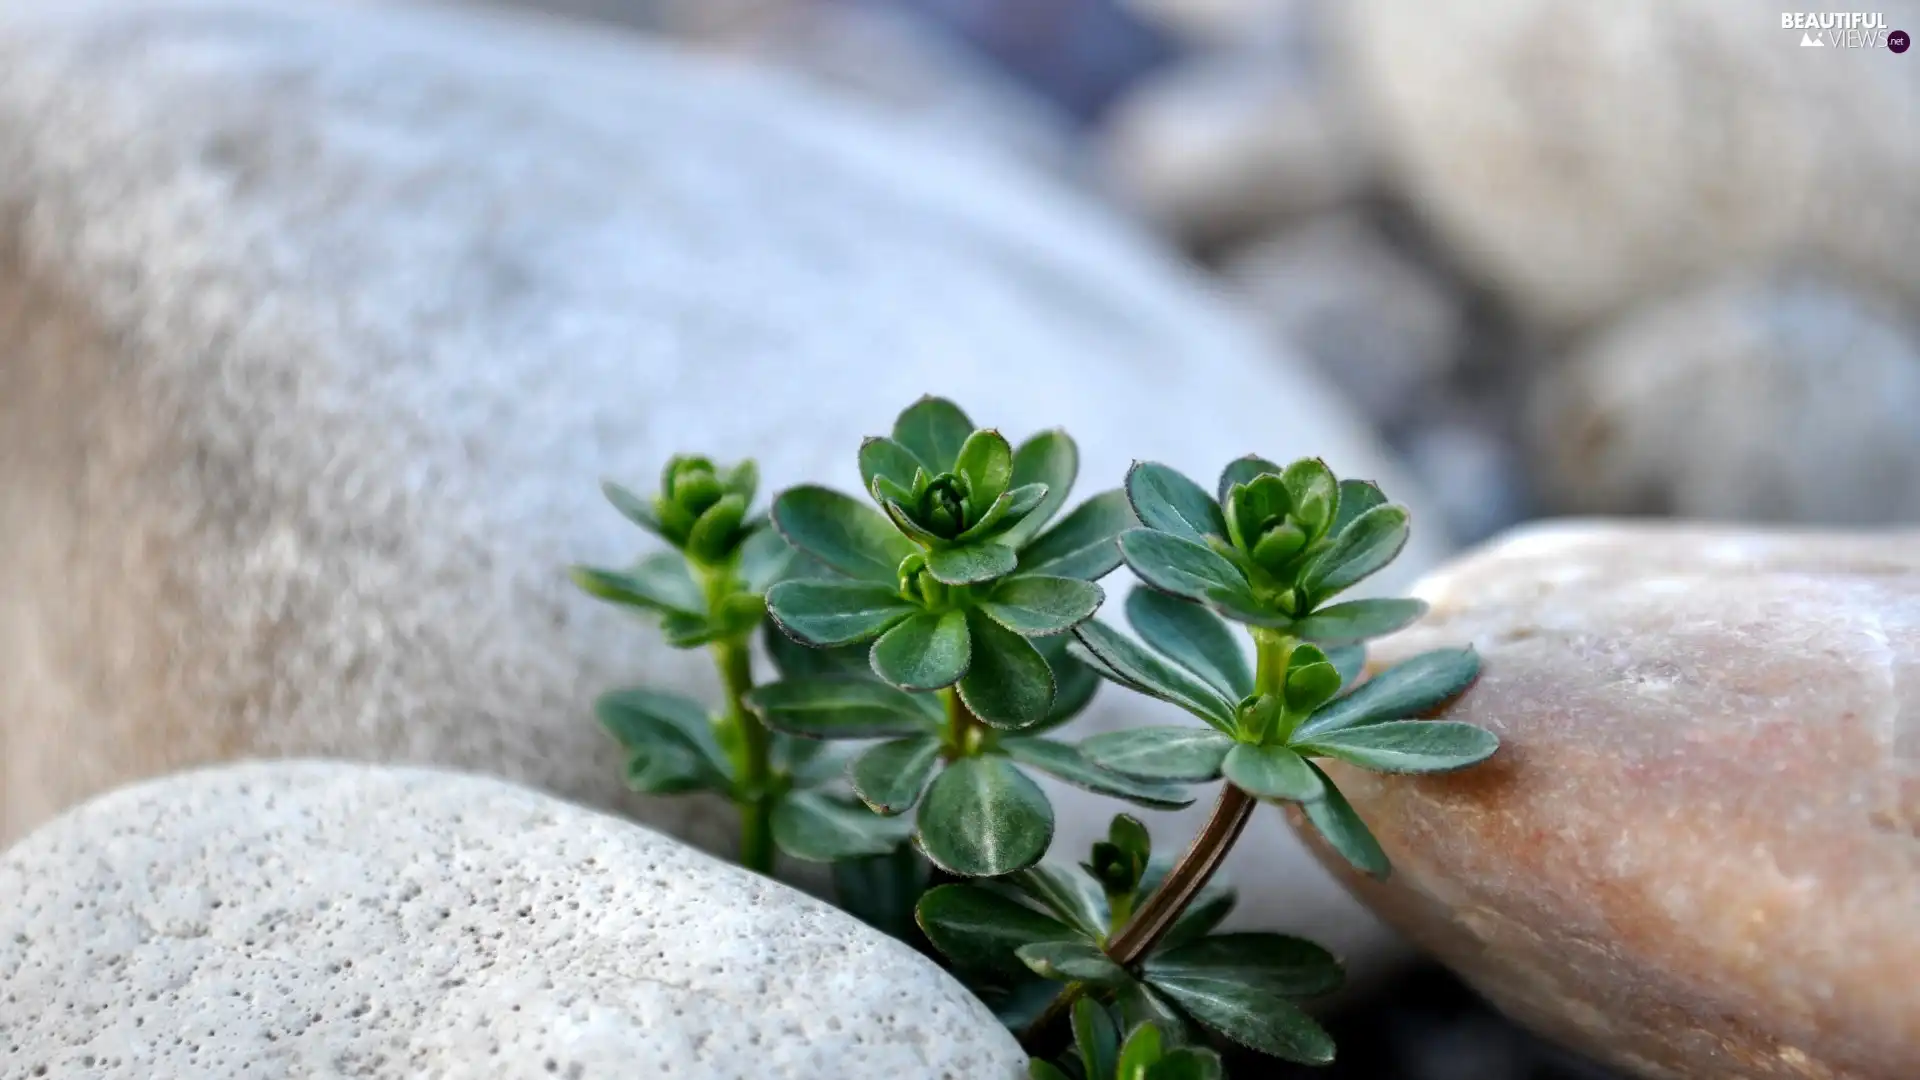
x,y
1129,835
848,536
979,929
829,613
1096,1038
882,890
1349,660
1281,965
634,508
1083,544
669,741
983,818
1193,637
686,631
1242,607
715,532
808,763
1144,1047
971,564
1067,763
890,777
1176,754
766,558
1139,1004
883,457
933,429
1370,542
1188,1063
1314,492
1252,1017
1406,746
1407,689
1181,567
1074,682
817,827
1356,498
1009,685
1167,501
924,652
797,661
1126,663
1271,772
1343,830
1256,506
1008,509
833,707
1215,902
1048,458
1034,606
1071,961
1040,1070
1067,894
1358,620
985,461
659,582
1242,471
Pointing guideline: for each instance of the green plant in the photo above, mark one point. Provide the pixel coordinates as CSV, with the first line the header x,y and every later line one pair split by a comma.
x,y
1147,1054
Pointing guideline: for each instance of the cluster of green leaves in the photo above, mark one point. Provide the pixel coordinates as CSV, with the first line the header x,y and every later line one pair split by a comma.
x,y
1054,922
946,625
1146,1054
1277,546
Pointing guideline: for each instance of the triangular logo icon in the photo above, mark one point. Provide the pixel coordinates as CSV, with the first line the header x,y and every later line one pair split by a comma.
x,y
1808,41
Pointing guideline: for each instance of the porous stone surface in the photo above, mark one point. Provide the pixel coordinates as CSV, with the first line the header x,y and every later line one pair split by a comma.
x,y
1697,852
316,918
1581,157
1783,398
320,324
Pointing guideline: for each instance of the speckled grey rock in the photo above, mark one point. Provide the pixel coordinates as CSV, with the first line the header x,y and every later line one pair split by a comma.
x,y
311,918
1781,399
320,323
1697,853
1587,156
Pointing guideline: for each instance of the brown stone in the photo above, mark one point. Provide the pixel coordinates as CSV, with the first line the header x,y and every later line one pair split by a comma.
x,y
1697,853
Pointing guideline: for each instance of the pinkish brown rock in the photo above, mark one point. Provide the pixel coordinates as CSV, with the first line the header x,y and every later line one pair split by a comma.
x,y
1697,854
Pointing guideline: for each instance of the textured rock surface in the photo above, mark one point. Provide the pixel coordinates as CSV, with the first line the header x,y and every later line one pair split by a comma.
x,y
1585,156
1780,400
1698,851
320,325
307,918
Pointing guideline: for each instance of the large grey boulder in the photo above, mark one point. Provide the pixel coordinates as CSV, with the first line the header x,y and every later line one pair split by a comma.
x,y
322,322
323,919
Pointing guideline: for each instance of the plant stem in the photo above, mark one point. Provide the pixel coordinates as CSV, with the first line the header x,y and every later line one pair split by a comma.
x,y
752,769
965,734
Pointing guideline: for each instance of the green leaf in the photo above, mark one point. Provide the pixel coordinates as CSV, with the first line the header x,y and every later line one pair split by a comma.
x,y
808,763
1349,660
1048,458
1096,1038
890,777
1188,1063
660,582
1006,510
983,818
1256,506
1356,498
1009,685
1315,493
1208,910
1126,833
1128,664
1193,637
1271,772
1040,1070
829,613
1358,620
1243,471
924,652
971,564
1278,964
686,631
882,890
633,507
1343,830
832,707
1252,1017
1177,754
1144,1047
882,457
1083,544
669,741
933,429
1311,679
985,461
1165,500
1406,746
715,531
817,827
1034,606
1139,1004
849,536
1410,688
1067,894
1182,567
744,480
1071,961
1074,682
797,661
1370,542
979,929
1068,763
766,558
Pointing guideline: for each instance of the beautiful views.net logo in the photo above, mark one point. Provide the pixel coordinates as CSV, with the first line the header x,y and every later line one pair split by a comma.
x,y
1845,30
